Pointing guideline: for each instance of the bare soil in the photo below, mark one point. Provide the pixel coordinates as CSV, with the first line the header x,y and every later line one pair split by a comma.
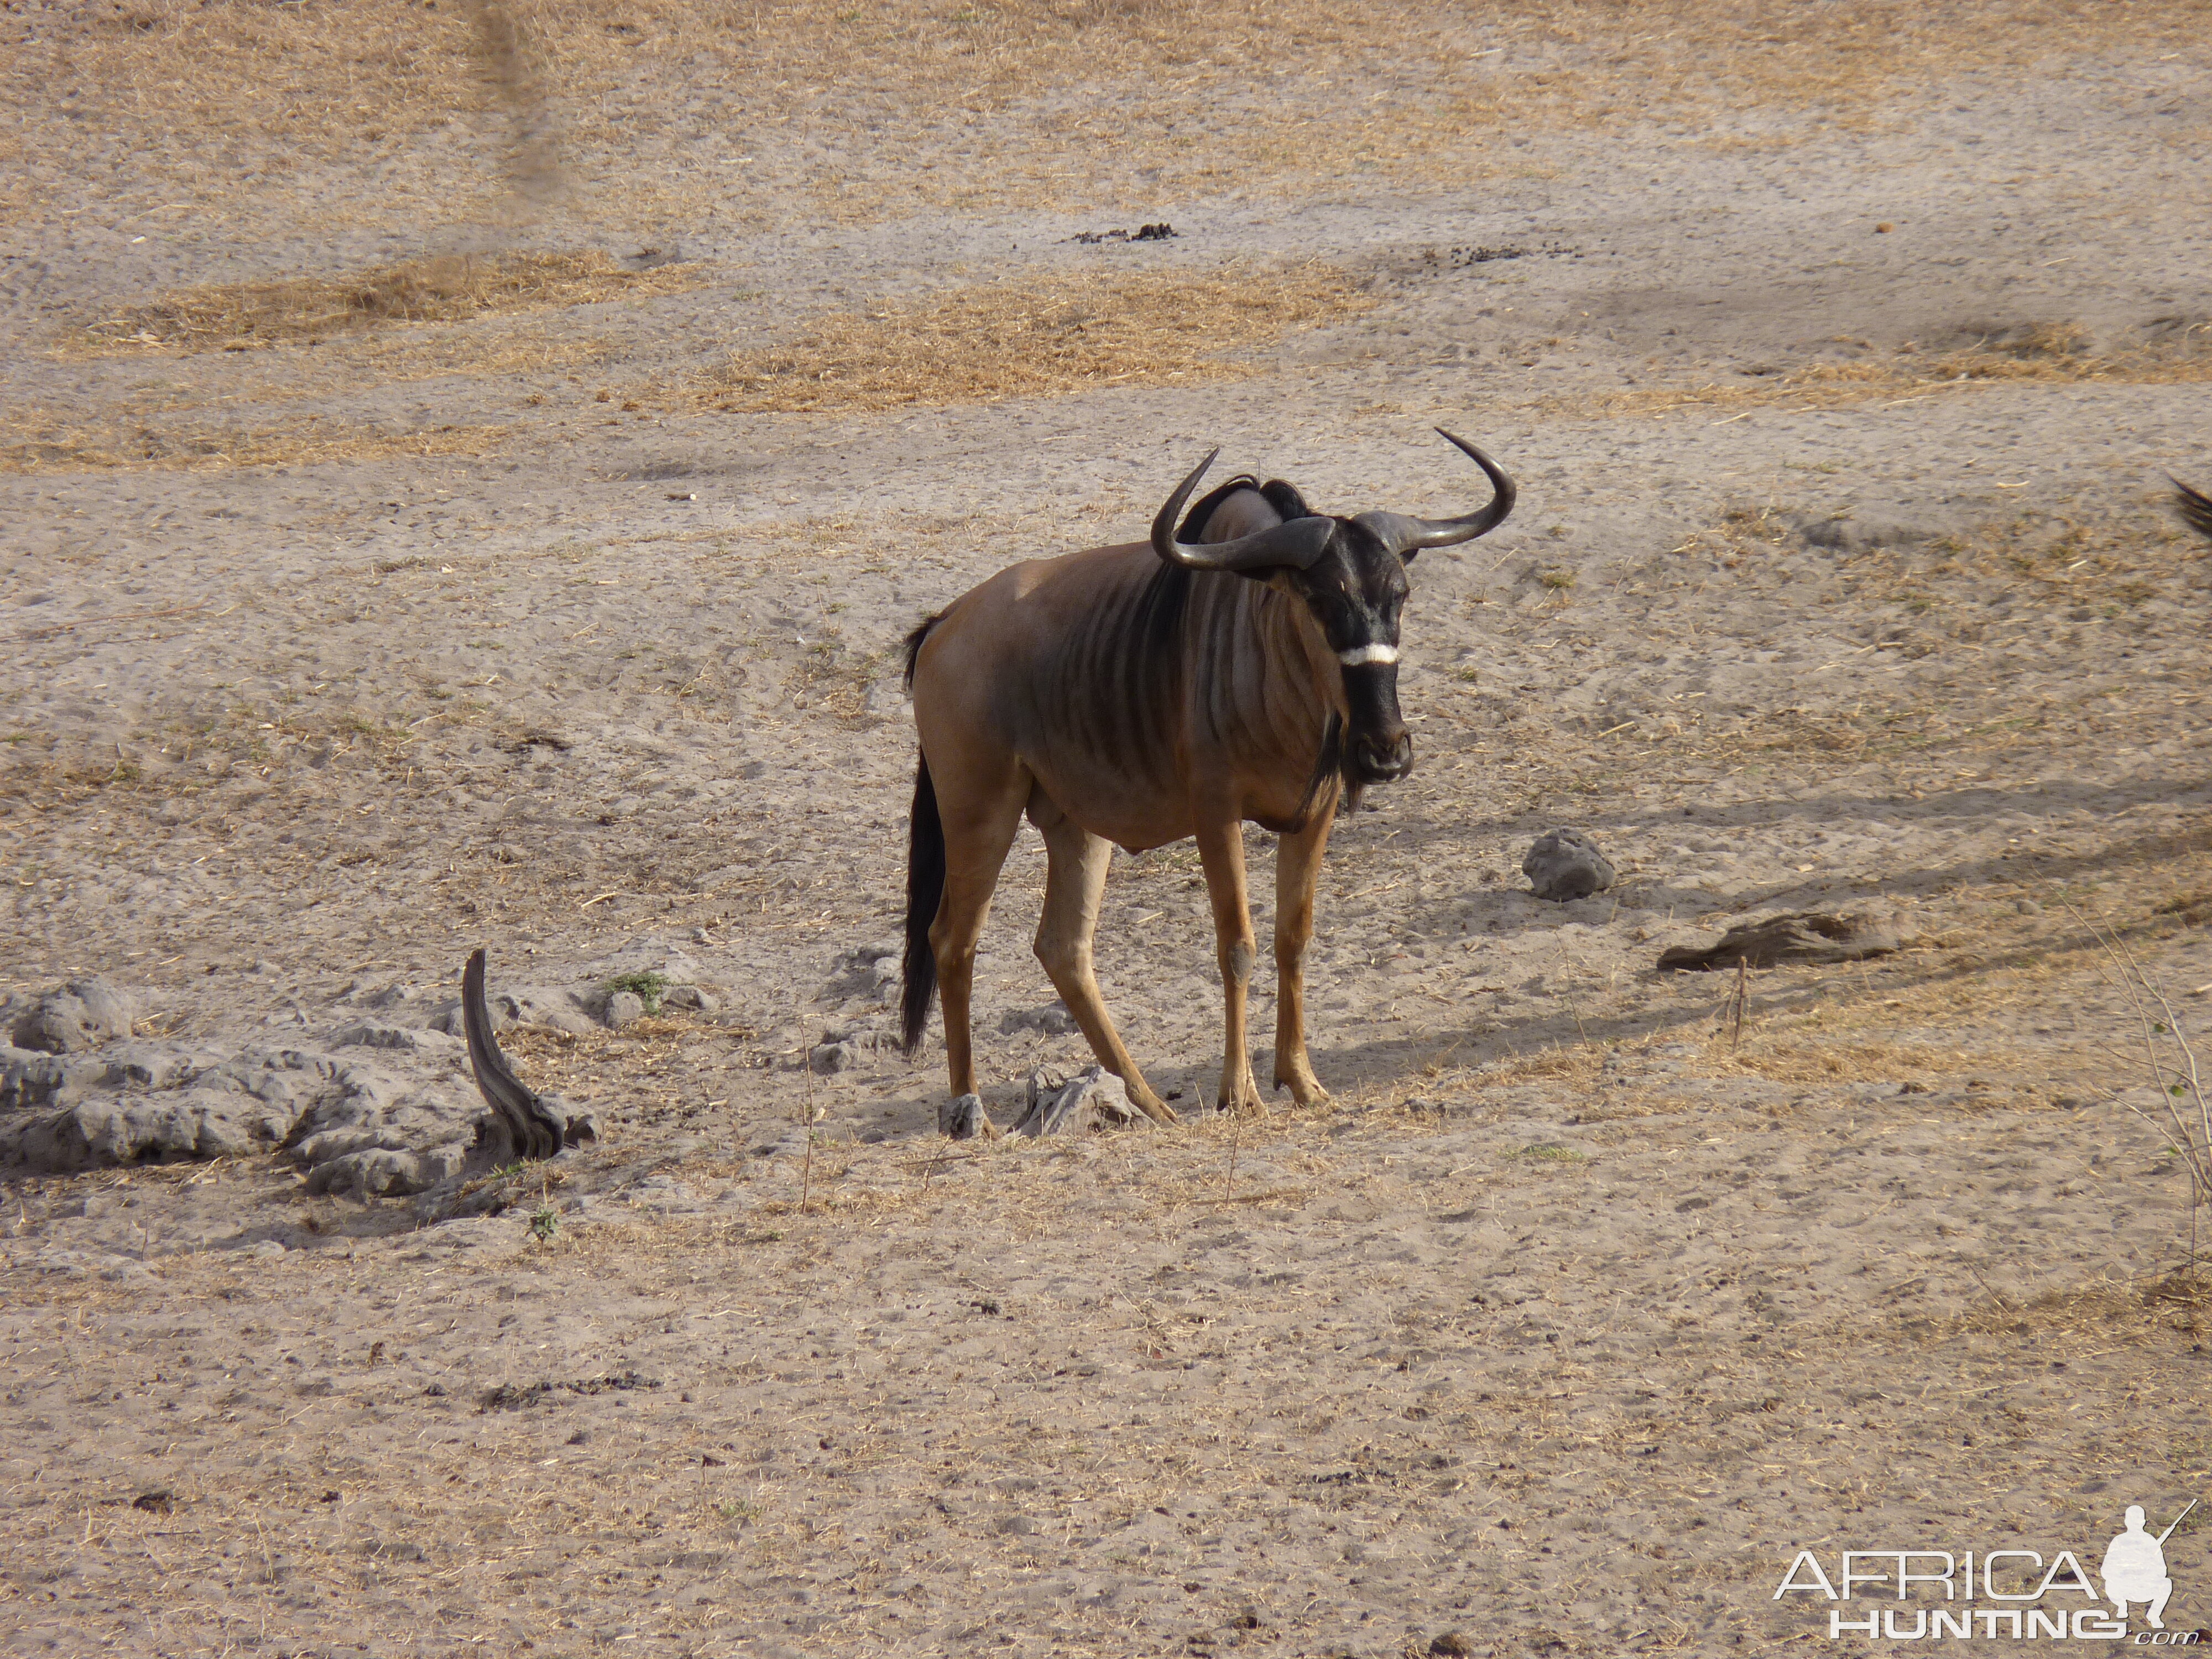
x,y
1841,355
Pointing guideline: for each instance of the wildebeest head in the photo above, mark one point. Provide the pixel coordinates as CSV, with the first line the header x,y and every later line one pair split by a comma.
x,y
1349,573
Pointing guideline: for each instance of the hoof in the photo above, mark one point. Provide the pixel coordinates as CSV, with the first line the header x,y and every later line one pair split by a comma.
x,y
964,1119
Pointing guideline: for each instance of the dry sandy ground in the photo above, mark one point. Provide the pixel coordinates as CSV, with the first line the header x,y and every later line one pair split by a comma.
x,y
1840,355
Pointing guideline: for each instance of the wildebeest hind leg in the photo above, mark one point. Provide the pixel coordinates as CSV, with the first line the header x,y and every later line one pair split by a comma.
x,y
976,837
1075,882
1221,851
1297,870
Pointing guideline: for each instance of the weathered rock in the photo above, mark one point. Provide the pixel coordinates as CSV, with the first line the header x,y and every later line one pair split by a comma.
x,y
1807,936
82,1014
569,1012
961,1119
1059,1105
1053,1019
29,1081
116,1269
406,1038
623,1007
1565,863
105,1129
384,1172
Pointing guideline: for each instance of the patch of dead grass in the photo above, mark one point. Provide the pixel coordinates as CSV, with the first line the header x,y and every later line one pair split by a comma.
x,y
2049,353
54,444
460,287
1039,337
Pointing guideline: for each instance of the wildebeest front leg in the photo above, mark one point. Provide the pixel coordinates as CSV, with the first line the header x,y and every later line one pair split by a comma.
x,y
1221,850
1298,871
1075,880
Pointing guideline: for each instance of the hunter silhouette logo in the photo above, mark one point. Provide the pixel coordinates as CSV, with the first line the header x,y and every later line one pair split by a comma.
x,y
2009,1593
2134,1568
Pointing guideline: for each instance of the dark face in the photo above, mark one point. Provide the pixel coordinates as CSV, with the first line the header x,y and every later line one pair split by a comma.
x,y
1355,591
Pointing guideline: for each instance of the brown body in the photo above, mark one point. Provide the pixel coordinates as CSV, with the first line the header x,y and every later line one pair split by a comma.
x,y
1036,693
1243,669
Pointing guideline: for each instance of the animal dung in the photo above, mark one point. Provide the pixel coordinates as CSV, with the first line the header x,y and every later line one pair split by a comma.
x,y
1159,233
1565,863
1805,935
1060,1105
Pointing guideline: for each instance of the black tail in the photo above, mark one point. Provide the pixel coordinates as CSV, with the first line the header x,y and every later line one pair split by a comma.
x,y
925,891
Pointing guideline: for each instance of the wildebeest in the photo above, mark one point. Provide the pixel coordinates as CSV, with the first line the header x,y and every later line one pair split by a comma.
x,y
2196,509
1244,667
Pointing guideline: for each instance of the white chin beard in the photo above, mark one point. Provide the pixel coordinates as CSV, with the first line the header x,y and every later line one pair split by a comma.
x,y
1367,654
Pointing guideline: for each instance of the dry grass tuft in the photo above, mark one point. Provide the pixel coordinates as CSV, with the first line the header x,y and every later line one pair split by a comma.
x,y
458,287
1037,338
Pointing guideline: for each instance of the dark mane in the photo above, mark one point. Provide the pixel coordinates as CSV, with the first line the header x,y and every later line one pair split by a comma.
x,y
1157,625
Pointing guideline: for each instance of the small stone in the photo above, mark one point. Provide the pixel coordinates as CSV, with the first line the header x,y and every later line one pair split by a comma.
x,y
623,1006
829,1059
2028,906
1451,1644
1565,863
694,997
961,1119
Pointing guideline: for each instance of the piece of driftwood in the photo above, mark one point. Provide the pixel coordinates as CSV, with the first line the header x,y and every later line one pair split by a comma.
x,y
1808,936
534,1125
1060,1105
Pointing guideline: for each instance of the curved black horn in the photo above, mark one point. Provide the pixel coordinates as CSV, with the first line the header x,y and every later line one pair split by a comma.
x,y
2195,508
1403,534
535,1131
1299,543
